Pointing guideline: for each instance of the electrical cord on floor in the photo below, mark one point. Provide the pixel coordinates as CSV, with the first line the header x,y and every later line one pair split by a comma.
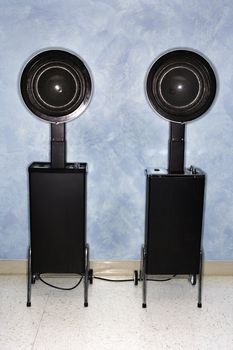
x,y
132,279
162,280
103,279
61,288
111,280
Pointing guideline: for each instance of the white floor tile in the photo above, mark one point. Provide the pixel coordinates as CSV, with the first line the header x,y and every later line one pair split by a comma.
x,y
115,319
19,324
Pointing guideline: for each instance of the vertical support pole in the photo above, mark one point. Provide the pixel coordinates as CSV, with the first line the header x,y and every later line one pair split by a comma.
x,y
29,279
86,275
58,145
199,304
176,148
144,279
141,264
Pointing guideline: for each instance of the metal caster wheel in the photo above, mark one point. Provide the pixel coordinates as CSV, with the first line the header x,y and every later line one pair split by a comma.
x,y
193,280
90,273
135,277
33,279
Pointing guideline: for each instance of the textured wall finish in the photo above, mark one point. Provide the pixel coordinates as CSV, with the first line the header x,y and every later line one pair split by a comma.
x,y
119,135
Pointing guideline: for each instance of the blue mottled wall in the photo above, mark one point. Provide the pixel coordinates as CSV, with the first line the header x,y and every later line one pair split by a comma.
x,y
119,135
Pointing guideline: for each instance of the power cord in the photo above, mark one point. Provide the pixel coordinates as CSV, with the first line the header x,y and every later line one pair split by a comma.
x,y
162,280
61,288
102,279
111,280
132,280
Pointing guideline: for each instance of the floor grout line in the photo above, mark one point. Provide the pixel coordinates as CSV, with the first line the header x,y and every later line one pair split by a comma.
x,y
40,321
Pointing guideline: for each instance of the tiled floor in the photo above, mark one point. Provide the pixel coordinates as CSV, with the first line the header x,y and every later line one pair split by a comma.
x,y
115,319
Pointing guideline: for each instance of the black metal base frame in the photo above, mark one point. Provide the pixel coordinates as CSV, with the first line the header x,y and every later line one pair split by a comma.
x,y
87,277
143,277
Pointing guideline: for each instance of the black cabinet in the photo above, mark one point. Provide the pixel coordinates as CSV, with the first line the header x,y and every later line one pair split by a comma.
x,y
58,218
173,226
174,210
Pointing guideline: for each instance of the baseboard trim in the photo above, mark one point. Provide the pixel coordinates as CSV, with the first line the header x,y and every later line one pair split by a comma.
x,y
13,267
118,267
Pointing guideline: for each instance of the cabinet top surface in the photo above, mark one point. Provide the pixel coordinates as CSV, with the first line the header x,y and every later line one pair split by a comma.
x,y
192,171
69,167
